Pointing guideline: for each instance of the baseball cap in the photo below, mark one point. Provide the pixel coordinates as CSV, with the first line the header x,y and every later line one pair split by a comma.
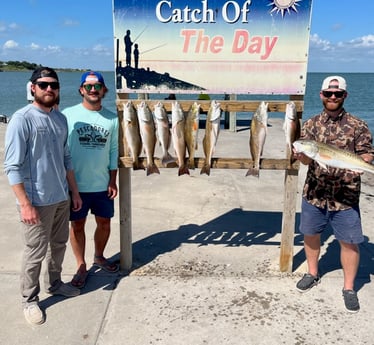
x,y
342,85
92,76
43,72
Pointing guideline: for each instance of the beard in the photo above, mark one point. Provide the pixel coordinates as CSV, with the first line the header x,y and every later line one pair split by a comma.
x,y
333,106
47,100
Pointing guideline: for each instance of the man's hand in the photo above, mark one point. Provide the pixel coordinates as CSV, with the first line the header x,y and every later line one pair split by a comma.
x,y
304,159
29,214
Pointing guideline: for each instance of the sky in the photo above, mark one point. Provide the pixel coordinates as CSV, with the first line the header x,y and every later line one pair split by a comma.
x,y
79,34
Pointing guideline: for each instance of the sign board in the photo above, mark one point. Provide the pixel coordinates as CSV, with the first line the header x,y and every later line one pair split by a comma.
x,y
212,46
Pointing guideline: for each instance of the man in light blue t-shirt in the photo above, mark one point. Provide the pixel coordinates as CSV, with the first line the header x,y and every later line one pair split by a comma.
x,y
93,142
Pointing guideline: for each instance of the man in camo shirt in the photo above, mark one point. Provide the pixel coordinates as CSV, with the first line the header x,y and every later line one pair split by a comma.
x,y
331,196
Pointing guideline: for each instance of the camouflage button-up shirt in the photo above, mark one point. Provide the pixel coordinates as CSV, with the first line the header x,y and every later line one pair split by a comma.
x,y
336,189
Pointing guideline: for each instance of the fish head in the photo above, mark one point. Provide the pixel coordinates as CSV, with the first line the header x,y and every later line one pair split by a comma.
x,y
176,111
307,147
214,111
195,107
144,112
291,111
261,113
159,111
128,111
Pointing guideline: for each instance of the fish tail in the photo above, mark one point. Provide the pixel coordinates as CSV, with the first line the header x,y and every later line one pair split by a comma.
x,y
253,172
183,170
136,165
191,162
152,169
205,169
166,159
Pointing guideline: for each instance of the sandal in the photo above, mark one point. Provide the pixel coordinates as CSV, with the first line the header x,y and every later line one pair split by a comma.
x,y
105,265
79,279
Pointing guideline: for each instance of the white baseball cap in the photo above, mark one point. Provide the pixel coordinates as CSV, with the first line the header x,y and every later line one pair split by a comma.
x,y
342,85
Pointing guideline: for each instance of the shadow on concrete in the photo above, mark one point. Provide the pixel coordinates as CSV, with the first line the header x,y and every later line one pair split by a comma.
x,y
234,228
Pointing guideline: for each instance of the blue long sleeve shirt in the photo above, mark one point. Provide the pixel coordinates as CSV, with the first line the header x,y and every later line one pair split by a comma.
x,y
37,154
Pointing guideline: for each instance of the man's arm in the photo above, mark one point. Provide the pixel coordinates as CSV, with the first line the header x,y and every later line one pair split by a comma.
x,y
29,214
73,187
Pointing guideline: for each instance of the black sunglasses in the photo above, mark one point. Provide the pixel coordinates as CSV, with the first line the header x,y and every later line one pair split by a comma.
x,y
89,87
55,85
338,94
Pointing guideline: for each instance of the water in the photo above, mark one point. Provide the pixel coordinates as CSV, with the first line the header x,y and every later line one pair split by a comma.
x,y
359,101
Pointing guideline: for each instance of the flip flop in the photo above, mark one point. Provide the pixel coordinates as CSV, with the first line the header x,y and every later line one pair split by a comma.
x,y
105,265
79,279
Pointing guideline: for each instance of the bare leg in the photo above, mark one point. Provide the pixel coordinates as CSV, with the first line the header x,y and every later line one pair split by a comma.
x,y
350,258
312,247
102,234
78,243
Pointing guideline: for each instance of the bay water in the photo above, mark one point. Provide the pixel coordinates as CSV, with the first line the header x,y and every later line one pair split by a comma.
x,y
359,101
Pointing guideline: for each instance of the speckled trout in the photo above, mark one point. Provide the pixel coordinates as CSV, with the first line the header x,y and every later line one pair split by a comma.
x,y
177,134
212,128
190,133
132,134
257,137
291,127
163,132
148,135
327,155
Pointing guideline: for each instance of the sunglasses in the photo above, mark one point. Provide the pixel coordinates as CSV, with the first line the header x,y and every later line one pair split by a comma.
x,y
55,85
97,87
337,94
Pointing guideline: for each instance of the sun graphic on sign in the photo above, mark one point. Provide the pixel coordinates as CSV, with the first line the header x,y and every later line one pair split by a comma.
x,y
284,5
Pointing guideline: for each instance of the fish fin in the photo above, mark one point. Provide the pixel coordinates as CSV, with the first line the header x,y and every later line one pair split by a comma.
x,y
136,165
253,172
191,163
323,165
167,159
152,169
205,169
183,170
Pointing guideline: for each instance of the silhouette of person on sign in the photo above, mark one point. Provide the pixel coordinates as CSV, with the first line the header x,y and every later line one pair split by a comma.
x,y
136,55
128,46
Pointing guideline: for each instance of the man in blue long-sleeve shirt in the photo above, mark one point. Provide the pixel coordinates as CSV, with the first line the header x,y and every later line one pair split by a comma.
x,y
39,169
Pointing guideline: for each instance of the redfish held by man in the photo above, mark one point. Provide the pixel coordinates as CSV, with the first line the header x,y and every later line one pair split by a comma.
x,y
212,129
257,137
329,156
291,127
163,132
148,135
132,134
177,133
190,132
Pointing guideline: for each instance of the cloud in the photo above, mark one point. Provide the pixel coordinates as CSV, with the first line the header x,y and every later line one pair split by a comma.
x,y
34,46
354,55
319,43
70,22
364,41
10,45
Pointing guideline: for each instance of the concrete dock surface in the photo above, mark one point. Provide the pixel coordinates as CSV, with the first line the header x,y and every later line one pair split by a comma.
x,y
205,267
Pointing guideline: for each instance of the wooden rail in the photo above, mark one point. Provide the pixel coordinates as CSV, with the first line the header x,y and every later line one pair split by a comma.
x,y
220,163
234,106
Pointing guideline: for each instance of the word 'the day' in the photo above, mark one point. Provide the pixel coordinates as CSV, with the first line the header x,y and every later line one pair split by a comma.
x,y
196,41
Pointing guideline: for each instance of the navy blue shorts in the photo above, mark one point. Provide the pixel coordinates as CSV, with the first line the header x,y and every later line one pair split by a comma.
x,y
346,224
98,202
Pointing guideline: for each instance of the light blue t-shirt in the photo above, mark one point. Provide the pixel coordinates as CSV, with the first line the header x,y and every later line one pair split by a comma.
x,y
37,154
93,142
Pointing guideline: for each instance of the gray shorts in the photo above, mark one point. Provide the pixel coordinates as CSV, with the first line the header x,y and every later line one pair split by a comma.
x,y
346,224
